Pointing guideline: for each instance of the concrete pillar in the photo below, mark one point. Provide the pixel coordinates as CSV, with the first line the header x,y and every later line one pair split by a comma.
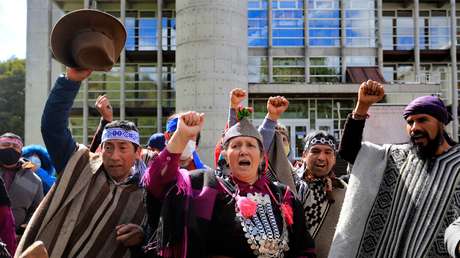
x,y
416,40
159,63
211,59
38,67
84,84
306,41
453,56
380,35
270,41
122,66
343,41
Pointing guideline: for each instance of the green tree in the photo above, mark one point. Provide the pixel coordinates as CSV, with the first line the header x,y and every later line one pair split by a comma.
x,y
12,96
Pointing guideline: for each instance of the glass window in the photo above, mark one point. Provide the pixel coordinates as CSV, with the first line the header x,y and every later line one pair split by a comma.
x,y
254,4
288,23
323,23
147,33
423,37
389,73
76,127
434,29
259,14
387,33
324,108
325,69
260,108
130,24
405,73
257,69
297,109
283,14
257,23
140,86
432,73
142,32
287,4
405,33
360,60
439,33
145,125
360,23
288,69
169,33
323,4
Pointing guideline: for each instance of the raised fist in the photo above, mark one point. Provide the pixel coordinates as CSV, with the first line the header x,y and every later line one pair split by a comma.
x,y
276,106
104,108
237,95
370,92
190,124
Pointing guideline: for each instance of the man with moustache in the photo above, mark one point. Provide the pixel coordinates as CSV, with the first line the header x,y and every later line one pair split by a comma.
x,y
400,197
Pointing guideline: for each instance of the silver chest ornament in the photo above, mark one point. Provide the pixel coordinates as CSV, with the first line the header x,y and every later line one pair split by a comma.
x,y
261,230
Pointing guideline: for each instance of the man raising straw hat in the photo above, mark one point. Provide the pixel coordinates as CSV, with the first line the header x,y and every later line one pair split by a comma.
x,y
95,207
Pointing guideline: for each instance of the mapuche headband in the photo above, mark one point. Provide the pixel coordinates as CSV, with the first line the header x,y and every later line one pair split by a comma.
x,y
11,140
320,140
120,134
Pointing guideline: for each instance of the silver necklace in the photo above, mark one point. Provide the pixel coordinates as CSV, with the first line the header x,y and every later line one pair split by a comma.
x,y
261,230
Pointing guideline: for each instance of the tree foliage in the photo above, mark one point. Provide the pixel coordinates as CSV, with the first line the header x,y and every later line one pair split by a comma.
x,y
12,96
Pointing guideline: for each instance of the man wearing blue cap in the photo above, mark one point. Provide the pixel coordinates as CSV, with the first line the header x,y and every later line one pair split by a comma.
x,y
156,143
400,197
189,158
96,205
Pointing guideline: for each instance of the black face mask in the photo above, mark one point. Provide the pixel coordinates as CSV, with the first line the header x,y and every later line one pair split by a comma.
x,y
9,156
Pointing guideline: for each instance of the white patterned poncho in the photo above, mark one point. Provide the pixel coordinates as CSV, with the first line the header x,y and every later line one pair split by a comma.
x,y
398,205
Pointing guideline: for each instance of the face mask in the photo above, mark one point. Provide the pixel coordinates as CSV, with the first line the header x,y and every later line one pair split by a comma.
x,y
188,151
287,149
9,156
36,161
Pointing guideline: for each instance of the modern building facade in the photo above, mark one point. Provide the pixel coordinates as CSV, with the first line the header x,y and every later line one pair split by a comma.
x,y
188,54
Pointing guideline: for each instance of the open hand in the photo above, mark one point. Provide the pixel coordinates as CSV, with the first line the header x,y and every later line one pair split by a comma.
x,y
276,106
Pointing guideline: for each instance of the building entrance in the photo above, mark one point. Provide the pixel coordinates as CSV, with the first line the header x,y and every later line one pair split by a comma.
x,y
297,129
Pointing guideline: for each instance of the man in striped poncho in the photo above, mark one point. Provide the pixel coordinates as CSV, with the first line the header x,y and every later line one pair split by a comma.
x,y
95,207
400,197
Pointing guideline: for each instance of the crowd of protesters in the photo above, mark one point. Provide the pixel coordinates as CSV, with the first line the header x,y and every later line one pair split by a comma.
x,y
118,197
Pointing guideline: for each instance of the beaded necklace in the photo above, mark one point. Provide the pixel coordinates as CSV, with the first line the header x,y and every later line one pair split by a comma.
x,y
257,219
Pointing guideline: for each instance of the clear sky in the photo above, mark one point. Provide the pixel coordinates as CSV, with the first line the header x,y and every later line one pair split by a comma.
x,y
13,20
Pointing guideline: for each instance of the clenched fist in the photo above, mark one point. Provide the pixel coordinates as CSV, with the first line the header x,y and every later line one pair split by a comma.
x,y
189,125
237,95
276,106
370,92
104,108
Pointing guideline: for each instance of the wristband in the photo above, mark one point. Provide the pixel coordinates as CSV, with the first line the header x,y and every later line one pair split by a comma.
x,y
356,116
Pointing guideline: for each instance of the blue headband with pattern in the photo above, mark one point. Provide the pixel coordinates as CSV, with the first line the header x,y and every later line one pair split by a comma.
x,y
120,134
